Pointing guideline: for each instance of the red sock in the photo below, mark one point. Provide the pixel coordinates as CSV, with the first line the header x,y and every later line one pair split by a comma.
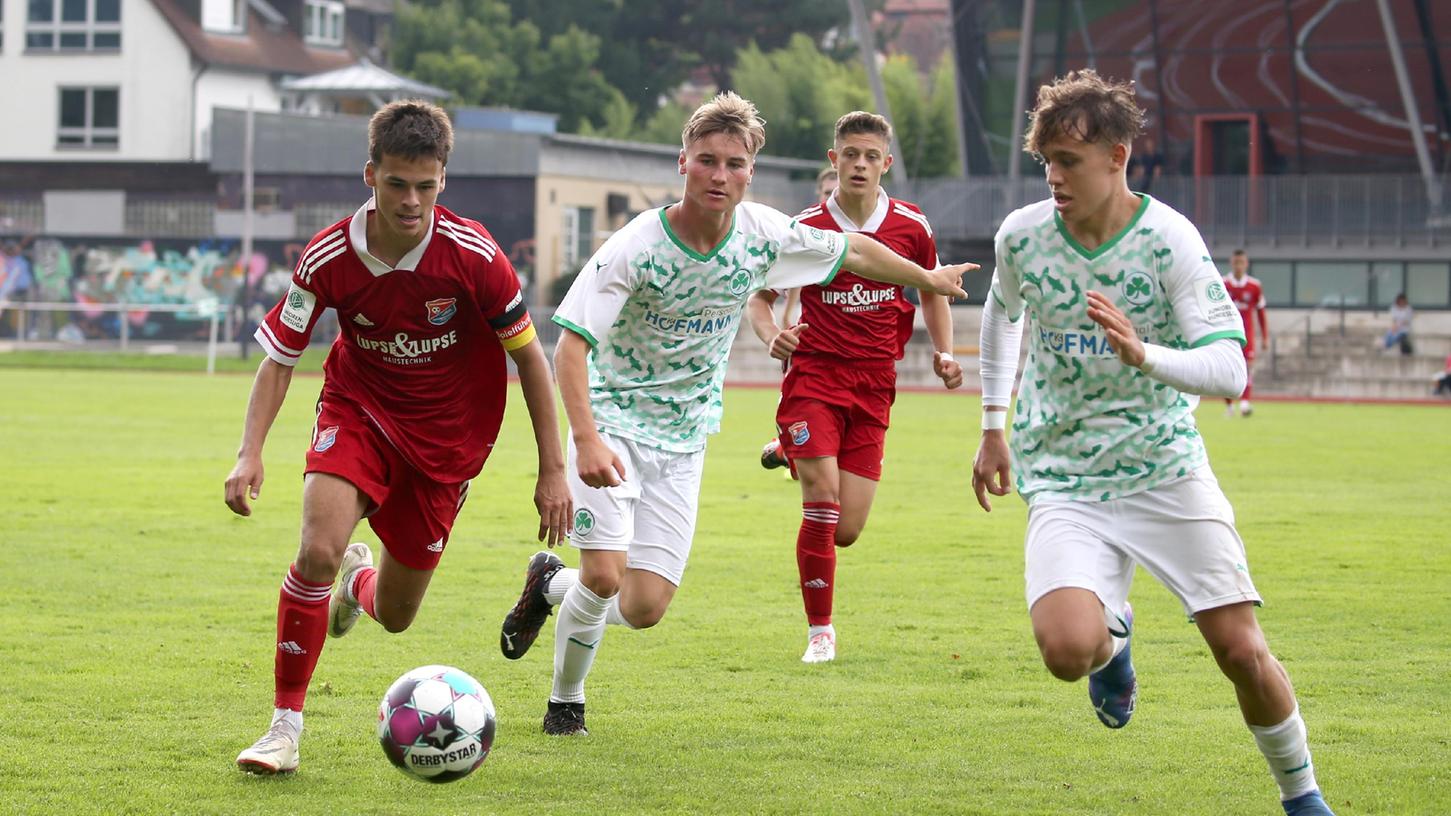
x,y
816,558
364,585
301,631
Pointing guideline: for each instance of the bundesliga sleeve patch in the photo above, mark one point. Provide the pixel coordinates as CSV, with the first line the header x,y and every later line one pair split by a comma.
x,y
297,308
826,242
514,327
1215,304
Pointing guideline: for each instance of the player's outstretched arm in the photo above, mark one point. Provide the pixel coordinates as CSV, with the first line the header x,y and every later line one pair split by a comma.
x,y
870,259
598,465
551,490
269,389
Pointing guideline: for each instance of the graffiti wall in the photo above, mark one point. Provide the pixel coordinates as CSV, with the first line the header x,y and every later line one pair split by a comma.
x,y
207,274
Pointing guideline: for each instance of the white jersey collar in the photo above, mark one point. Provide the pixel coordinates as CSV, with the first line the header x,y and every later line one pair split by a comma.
x,y
358,235
873,223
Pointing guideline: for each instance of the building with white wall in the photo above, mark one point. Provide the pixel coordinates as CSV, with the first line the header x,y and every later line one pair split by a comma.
x,y
137,80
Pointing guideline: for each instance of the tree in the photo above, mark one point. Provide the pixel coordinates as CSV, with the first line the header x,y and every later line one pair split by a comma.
x,y
800,92
654,44
924,118
475,50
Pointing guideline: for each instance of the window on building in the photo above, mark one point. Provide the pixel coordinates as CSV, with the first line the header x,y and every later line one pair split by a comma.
x,y
578,238
1428,284
73,25
224,16
1331,283
323,22
89,118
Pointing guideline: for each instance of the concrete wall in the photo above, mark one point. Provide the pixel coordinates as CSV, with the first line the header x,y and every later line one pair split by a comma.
x,y
154,123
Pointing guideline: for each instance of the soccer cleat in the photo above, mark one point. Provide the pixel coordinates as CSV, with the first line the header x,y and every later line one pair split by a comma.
x,y
772,457
275,752
1114,689
820,649
1308,804
522,624
565,719
343,608
1245,409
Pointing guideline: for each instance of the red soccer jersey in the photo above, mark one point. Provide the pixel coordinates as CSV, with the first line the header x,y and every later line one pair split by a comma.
x,y
855,317
1248,297
421,348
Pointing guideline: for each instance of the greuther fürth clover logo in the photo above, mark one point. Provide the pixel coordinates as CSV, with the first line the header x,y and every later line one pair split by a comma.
x,y
584,521
1138,289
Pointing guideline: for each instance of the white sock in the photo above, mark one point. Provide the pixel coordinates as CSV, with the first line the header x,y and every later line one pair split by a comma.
x,y
813,631
1118,646
577,634
613,615
1288,755
294,718
559,584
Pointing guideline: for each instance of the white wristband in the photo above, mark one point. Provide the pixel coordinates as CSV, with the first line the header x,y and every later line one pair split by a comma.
x,y
994,420
946,356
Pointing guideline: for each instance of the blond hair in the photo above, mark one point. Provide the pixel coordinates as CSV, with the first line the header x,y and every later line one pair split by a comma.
x,y
871,124
1087,106
410,128
727,113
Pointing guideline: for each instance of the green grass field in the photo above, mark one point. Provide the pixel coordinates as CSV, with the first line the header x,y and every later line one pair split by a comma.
x,y
137,614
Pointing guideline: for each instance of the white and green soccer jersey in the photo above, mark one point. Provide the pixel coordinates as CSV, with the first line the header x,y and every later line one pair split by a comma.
x,y
1088,427
661,317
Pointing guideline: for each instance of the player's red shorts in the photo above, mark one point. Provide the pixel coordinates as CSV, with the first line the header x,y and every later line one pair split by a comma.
x,y
411,513
831,406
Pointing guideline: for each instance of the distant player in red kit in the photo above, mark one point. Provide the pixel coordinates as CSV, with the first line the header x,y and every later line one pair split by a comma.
x,y
1249,297
412,398
836,398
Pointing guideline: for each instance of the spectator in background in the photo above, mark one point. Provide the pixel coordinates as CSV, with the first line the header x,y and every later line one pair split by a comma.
x,y
1443,380
15,282
1145,165
1400,333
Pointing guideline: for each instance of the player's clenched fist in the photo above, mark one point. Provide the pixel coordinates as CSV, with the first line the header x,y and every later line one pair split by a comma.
x,y
947,369
599,466
786,342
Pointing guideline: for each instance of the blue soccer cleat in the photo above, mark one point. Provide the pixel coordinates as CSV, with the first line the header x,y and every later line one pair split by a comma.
x,y
1114,689
1308,804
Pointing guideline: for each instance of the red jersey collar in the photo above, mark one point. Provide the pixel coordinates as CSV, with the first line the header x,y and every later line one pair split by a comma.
x,y
358,236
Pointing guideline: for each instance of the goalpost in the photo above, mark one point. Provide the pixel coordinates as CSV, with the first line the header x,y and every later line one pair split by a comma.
x,y
209,309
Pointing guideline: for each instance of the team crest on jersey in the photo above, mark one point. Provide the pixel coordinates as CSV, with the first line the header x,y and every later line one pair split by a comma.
x,y
325,439
740,282
799,433
440,310
1138,289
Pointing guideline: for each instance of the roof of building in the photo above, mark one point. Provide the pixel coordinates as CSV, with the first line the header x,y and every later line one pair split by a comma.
x,y
264,45
362,77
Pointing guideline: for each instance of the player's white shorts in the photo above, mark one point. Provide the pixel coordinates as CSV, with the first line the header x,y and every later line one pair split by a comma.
x,y
650,515
1182,533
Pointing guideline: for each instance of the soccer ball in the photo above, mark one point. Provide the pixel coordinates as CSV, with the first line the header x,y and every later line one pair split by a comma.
x,y
436,723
